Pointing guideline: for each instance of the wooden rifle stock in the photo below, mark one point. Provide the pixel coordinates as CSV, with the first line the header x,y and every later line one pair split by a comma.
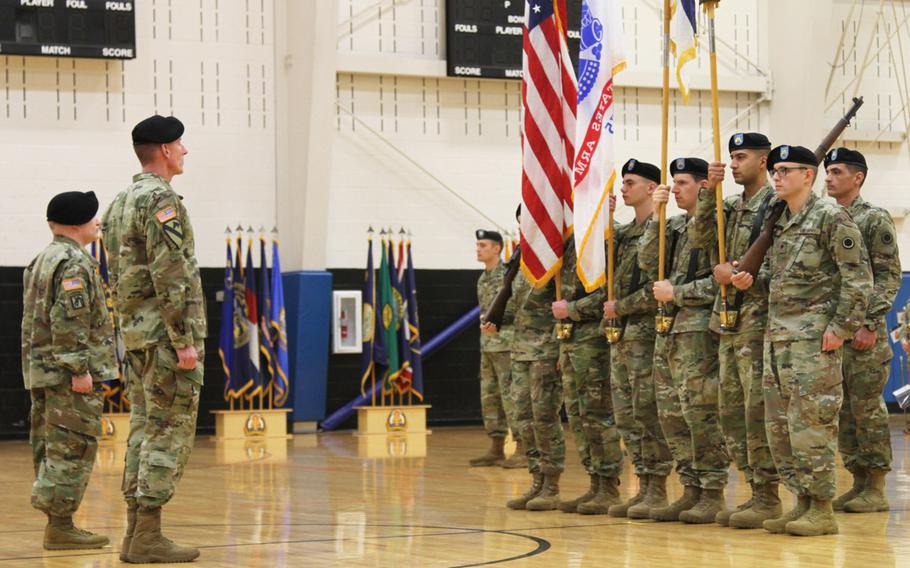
x,y
755,256
497,310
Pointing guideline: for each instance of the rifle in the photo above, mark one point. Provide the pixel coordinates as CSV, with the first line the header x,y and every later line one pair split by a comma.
x,y
497,310
754,257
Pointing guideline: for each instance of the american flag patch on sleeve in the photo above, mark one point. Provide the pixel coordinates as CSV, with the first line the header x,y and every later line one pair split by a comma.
x,y
166,214
73,284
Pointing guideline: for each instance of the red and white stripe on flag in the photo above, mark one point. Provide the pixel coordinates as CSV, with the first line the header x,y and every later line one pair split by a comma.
x,y
549,96
601,57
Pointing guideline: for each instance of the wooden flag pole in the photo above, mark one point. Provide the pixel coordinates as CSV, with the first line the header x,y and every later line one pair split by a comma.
x,y
661,322
725,315
611,330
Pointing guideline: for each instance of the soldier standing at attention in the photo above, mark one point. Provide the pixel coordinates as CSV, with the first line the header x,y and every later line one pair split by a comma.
x,y
741,402
158,302
495,360
67,351
632,353
685,359
584,361
817,275
864,438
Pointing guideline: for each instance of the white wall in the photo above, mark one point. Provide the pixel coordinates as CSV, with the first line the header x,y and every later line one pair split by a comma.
x,y
65,123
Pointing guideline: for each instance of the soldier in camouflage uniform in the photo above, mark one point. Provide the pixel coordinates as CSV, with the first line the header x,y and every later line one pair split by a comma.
x,y
632,356
495,361
157,294
685,360
741,401
864,438
817,274
584,360
67,351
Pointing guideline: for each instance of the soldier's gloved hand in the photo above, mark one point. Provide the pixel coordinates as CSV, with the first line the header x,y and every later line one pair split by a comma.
x,y
723,273
716,172
560,309
187,358
831,342
82,383
863,339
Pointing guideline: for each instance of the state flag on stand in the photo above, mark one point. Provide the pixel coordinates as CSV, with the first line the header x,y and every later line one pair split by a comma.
x,y
414,328
367,355
389,319
226,333
405,373
601,57
279,332
113,387
252,322
264,304
243,371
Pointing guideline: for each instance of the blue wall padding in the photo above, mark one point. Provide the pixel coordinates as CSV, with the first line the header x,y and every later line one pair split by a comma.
x,y
308,307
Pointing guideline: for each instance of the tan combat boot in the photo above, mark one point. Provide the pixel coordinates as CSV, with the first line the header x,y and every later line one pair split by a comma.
x,y
655,498
61,534
859,483
779,525
532,492
149,546
519,459
494,455
689,499
128,537
817,522
710,503
723,517
622,509
766,505
572,506
548,498
872,498
607,496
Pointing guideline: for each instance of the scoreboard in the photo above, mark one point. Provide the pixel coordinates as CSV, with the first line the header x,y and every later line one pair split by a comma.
x,y
484,37
103,29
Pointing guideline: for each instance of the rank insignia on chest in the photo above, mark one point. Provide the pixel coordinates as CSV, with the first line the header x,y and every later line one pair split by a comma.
x,y
166,214
73,284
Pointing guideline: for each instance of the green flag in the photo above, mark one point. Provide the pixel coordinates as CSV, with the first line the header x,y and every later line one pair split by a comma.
x,y
389,311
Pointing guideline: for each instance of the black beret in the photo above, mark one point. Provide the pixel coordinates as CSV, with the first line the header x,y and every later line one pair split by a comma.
x,y
794,154
488,236
749,141
72,208
157,130
846,156
643,169
694,166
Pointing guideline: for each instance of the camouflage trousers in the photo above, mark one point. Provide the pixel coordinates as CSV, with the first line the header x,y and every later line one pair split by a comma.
x,y
165,402
635,407
742,406
686,383
65,427
585,367
803,395
495,399
537,397
864,437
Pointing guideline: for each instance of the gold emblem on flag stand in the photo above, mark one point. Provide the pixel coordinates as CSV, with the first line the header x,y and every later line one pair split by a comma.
x,y
612,332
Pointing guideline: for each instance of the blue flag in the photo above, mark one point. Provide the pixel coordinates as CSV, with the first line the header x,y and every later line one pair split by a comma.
x,y
279,332
226,333
110,388
414,325
267,357
242,372
367,362
252,321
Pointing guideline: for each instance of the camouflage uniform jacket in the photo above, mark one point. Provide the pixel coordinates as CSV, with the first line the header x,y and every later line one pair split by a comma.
x,y
739,215
488,286
533,338
634,300
816,273
878,235
154,276
585,309
66,327
693,299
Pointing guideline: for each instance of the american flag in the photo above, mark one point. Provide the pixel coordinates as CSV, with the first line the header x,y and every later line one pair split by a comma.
x,y
549,95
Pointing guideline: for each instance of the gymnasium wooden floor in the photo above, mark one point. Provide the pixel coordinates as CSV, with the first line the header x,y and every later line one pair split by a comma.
x,y
314,501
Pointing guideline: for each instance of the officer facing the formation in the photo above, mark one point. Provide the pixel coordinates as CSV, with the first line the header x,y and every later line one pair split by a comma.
x,y
495,360
817,275
67,351
584,360
158,302
741,402
632,352
685,360
864,438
